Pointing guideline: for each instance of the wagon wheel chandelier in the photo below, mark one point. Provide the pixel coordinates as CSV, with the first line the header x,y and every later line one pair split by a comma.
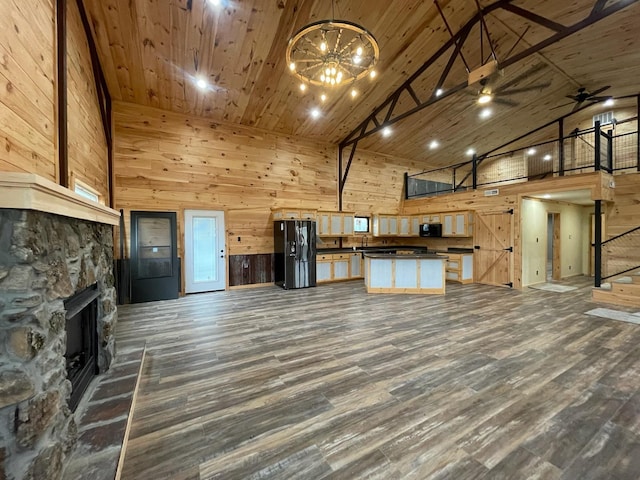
x,y
330,53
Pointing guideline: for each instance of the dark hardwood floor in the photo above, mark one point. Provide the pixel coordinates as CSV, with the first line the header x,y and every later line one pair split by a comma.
x,y
329,382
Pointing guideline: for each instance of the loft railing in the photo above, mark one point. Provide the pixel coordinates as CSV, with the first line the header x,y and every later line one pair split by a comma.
x,y
619,255
579,152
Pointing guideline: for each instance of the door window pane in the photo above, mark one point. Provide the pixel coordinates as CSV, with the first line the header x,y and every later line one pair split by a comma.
x,y
204,250
154,247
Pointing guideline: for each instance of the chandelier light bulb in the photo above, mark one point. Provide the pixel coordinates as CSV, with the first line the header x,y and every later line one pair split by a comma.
x,y
357,59
339,77
292,66
359,51
333,81
333,70
323,46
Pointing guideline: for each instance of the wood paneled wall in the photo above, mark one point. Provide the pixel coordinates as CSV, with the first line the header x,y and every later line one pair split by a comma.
x,y
87,142
376,182
173,162
28,103
27,82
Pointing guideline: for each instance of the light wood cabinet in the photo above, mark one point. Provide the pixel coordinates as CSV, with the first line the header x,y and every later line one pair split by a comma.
x,y
335,224
347,223
459,267
457,224
355,270
293,214
415,225
405,225
324,268
338,266
341,266
323,224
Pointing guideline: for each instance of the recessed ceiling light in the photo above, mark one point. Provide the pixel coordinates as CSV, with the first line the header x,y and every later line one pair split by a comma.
x,y
386,131
546,195
215,3
303,87
373,74
470,151
609,102
485,98
486,113
202,83
434,144
547,157
439,92
354,93
531,151
315,113
323,97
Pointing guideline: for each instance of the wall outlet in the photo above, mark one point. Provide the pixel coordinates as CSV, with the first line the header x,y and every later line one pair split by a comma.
x,y
569,267
537,273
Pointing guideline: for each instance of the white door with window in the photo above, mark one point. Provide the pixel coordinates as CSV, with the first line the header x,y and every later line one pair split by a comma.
x,y
204,251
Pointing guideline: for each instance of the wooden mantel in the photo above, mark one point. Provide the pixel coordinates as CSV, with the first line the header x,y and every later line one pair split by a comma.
x,y
28,191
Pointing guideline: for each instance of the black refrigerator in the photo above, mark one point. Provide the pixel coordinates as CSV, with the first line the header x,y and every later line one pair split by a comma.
x,y
295,253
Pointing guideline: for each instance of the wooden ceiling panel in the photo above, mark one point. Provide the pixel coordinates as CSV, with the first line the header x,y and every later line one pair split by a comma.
x,y
153,50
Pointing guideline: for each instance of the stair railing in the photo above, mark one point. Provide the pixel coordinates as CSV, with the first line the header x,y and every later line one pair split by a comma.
x,y
619,255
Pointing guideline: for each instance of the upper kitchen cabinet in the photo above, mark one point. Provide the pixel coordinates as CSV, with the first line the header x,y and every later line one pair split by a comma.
x,y
457,224
335,224
293,214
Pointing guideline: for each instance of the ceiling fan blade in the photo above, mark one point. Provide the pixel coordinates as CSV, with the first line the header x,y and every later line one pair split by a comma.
x,y
600,90
577,106
530,88
504,101
522,76
599,99
560,106
572,97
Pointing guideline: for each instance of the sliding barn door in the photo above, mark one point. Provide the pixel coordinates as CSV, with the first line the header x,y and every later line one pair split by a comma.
x,y
493,256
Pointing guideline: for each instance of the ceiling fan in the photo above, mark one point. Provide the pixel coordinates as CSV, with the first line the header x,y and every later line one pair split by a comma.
x,y
584,96
487,93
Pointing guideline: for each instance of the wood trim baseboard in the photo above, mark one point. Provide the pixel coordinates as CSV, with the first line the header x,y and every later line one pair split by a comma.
x,y
251,285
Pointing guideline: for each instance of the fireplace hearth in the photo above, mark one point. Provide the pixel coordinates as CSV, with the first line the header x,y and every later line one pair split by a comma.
x,y
82,341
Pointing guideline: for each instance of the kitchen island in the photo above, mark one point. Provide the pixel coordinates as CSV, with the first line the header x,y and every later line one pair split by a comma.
x,y
396,273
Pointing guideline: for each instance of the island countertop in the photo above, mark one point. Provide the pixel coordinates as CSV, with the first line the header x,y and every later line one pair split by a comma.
x,y
406,255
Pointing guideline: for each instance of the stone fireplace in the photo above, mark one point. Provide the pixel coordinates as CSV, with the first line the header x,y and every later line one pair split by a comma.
x,y
56,273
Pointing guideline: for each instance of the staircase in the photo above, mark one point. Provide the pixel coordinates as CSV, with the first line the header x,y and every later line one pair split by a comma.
x,y
621,291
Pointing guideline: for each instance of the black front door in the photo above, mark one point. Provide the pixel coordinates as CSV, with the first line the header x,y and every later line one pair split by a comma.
x,y
155,269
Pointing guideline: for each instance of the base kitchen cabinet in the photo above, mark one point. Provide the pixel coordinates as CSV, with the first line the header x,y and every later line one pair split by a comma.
x,y
459,267
355,270
341,266
324,268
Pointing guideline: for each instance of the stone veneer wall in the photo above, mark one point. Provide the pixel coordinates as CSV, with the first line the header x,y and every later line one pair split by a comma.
x,y
44,259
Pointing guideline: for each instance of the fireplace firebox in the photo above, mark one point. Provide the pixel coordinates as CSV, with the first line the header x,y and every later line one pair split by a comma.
x,y
82,344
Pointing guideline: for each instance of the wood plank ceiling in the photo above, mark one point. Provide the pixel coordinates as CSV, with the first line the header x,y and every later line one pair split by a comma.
x,y
151,51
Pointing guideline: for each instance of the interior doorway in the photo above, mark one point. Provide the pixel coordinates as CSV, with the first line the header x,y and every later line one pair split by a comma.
x,y
204,251
553,267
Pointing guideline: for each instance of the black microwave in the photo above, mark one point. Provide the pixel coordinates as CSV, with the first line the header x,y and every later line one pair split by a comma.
x,y
431,230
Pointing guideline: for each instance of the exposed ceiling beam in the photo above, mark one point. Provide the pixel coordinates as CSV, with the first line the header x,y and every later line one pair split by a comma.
x,y
363,130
